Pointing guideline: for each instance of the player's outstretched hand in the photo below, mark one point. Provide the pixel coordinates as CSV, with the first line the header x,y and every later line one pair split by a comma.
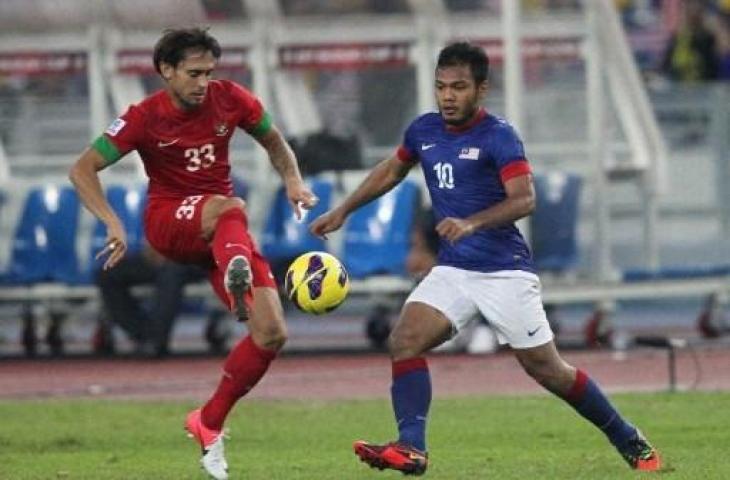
x,y
327,222
115,246
301,198
454,229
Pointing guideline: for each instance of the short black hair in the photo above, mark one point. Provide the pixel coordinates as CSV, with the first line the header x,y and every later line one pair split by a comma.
x,y
173,45
465,53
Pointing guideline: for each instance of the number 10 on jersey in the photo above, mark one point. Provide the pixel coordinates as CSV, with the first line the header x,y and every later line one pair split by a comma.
x,y
445,175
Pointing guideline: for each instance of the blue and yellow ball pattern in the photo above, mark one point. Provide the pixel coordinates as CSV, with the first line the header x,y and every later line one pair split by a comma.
x,y
316,282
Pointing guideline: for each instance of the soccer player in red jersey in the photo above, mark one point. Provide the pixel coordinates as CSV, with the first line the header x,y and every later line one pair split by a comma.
x,y
183,134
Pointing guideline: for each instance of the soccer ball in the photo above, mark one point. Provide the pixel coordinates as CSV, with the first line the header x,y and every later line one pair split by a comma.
x,y
316,282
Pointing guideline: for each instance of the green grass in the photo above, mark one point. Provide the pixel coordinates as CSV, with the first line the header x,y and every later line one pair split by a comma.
x,y
471,438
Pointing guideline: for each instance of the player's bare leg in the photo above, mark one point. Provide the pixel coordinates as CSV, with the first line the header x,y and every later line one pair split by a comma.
x,y
245,365
419,329
266,325
544,364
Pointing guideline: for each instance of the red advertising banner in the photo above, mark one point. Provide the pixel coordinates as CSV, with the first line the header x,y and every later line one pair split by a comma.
x,y
140,61
344,56
537,49
41,63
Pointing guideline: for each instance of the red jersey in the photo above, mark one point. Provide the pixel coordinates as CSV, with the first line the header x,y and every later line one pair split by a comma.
x,y
185,152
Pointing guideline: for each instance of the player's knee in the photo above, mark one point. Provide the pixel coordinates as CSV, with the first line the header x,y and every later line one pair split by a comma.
x,y
232,203
537,372
215,208
272,337
550,375
403,344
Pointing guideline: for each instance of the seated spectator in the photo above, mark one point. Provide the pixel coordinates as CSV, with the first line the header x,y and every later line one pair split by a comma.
x,y
723,46
691,54
424,245
149,329
421,258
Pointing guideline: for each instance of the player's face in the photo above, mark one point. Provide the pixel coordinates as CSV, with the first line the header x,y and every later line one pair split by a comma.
x,y
457,95
188,82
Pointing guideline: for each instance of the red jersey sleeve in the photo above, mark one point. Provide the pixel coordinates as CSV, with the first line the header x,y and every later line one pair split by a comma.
x,y
253,117
514,169
405,155
126,131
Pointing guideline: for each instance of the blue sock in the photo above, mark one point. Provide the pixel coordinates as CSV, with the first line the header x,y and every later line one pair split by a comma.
x,y
588,400
411,396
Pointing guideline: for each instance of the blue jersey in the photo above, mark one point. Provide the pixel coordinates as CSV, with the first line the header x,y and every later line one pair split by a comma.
x,y
465,171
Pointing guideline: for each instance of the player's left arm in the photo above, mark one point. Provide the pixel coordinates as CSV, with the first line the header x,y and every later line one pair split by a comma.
x,y
256,121
519,202
284,161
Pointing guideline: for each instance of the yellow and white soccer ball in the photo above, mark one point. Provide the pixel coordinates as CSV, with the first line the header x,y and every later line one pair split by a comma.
x,y
316,282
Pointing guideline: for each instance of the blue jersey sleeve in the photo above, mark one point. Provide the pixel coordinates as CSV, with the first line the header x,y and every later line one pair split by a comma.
x,y
409,148
507,146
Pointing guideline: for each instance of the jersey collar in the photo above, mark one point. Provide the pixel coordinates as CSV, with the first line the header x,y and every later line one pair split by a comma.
x,y
481,113
175,111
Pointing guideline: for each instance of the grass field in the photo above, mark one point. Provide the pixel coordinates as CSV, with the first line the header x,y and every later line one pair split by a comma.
x,y
471,438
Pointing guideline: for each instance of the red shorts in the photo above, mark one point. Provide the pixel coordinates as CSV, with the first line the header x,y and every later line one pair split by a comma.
x,y
173,227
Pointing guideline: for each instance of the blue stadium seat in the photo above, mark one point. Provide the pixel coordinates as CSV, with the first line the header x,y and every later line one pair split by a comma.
x,y
378,235
554,222
283,237
128,203
681,272
44,244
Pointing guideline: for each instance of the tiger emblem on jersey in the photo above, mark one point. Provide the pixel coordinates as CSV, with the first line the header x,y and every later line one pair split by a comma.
x,y
221,129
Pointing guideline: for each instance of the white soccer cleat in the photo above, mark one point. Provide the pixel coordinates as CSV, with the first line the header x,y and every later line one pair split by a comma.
x,y
213,460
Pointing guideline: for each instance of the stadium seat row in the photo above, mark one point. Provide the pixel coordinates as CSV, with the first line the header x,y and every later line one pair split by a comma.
x,y
376,237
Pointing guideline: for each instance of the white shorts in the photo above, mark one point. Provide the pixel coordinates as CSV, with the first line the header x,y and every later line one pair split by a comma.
x,y
509,300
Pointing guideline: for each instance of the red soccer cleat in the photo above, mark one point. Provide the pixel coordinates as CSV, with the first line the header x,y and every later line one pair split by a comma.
x,y
395,456
641,455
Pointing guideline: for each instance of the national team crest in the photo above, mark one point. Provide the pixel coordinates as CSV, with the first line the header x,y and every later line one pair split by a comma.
x,y
471,153
221,130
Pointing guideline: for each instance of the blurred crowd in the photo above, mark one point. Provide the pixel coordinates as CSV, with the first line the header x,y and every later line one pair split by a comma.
x,y
690,39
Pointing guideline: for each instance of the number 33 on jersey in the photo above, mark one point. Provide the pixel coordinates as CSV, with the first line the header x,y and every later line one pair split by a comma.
x,y
185,152
198,158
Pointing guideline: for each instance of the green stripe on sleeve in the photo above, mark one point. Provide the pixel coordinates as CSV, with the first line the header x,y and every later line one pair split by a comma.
x,y
263,126
107,149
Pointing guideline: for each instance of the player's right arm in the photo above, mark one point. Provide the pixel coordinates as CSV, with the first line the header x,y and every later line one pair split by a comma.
x,y
85,178
381,179
122,136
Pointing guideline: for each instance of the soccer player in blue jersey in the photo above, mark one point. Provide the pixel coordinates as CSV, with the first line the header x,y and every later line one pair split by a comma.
x,y
480,184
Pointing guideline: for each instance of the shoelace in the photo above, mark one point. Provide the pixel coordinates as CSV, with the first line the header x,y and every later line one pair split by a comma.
x,y
638,450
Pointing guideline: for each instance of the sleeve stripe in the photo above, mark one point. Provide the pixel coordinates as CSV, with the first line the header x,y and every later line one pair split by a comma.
x,y
263,126
107,149
404,155
514,169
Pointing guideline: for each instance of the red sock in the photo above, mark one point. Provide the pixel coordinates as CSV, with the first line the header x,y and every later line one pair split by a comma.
x,y
244,367
231,238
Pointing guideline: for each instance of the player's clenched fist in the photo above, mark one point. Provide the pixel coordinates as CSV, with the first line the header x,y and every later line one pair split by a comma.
x,y
454,229
300,197
327,222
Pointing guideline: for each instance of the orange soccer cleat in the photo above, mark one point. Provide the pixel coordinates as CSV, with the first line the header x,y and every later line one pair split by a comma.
x,y
640,454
